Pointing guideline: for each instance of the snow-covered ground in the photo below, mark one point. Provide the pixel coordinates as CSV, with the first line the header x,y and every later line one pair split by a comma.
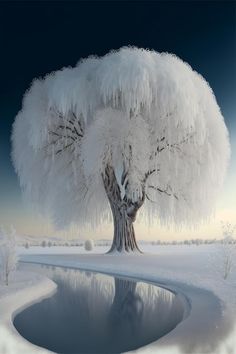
x,y
23,290
193,271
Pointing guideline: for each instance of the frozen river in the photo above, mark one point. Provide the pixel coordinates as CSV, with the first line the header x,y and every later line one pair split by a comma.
x,y
96,313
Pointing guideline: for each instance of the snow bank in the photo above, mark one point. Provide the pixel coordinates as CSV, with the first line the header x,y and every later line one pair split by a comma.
x,y
23,290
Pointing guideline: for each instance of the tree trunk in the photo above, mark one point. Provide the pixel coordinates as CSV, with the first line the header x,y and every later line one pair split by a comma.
x,y
123,212
124,235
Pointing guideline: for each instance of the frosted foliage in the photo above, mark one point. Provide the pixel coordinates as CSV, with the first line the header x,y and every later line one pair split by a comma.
x,y
111,145
8,254
148,115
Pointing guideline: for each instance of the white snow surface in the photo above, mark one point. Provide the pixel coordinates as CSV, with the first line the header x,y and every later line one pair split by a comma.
x,y
210,326
24,289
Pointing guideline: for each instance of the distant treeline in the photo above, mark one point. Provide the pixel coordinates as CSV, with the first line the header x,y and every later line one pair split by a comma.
x,y
107,243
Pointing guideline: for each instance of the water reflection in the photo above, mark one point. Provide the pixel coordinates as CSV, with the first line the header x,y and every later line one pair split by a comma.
x,y
126,311
96,313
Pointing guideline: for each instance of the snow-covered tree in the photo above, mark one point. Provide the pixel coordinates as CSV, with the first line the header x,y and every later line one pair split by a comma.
x,y
227,249
228,230
8,254
222,258
88,245
227,255
133,128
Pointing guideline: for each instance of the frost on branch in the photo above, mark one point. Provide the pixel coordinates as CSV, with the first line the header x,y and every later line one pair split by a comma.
x,y
228,230
132,128
227,249
8,255
223,260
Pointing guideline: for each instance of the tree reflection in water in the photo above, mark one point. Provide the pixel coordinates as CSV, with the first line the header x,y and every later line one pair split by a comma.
x,y
127,306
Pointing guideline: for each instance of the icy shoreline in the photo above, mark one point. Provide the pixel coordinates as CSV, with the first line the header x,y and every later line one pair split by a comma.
x,y
28,289
202,319
208,329
34,288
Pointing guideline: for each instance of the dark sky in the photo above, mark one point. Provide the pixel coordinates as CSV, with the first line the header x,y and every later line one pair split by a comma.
x,y
39,37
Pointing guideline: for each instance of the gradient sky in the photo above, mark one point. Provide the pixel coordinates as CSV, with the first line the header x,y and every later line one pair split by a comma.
x,y
39,37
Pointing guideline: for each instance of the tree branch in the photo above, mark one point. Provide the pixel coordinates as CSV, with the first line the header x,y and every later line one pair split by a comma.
x,y
149,173
168,191
65,130
175,145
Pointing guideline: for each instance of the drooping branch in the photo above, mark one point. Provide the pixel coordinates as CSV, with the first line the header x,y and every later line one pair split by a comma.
x,y
150,173
79,124
65,132
167,191
163,144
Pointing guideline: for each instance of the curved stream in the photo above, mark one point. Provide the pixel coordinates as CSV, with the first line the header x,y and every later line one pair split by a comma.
x,y
96,313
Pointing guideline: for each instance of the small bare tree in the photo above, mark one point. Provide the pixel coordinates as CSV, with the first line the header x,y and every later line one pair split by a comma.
x,y
8,253
228,231
228,249
228,254
222,259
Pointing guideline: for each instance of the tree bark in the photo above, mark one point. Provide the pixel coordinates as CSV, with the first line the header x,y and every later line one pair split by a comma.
x,y
124,235
124,213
